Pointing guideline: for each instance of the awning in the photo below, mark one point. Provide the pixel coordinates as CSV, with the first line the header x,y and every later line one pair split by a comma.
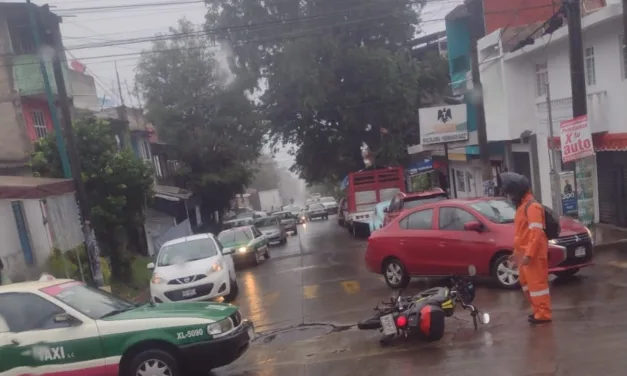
x,y
28,187
174,194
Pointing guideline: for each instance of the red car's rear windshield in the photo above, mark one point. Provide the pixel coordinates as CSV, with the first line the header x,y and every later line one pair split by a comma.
x,y
412,202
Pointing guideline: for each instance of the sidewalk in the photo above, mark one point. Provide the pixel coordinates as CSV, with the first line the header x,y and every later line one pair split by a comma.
x,y
608,236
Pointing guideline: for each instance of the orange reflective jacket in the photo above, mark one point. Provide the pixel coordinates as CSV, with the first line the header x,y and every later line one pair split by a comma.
x,y
529,238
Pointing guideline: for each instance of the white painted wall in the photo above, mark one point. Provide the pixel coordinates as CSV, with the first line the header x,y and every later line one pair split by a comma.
x,y
40,235
473,187
11,250
509,85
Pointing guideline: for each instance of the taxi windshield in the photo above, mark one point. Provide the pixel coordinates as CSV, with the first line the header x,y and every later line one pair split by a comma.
x,y
266,222
91,302
242,235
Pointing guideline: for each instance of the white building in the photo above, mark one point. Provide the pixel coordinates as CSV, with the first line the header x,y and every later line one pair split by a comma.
x,y
37,215
514,89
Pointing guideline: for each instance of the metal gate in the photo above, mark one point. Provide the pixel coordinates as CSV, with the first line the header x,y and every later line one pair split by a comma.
x,y
612,180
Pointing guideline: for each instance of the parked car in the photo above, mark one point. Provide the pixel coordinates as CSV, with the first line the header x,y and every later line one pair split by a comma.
x,y
69,328
191,269
341,212
330,204
288,220
237,223
403,201
245,244
312,201
443,238
273,230
317,211
252,214
298,213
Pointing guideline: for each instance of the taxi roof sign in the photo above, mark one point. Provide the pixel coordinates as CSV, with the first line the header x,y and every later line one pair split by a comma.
x,y
46,277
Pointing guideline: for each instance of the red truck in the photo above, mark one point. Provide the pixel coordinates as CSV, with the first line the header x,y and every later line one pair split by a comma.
x,y
364,190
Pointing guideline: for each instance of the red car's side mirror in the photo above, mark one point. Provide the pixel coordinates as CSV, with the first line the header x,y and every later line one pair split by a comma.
x,y
473,226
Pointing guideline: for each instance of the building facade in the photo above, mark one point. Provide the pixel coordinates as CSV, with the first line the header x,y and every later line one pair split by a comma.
x,y
24,112
515,98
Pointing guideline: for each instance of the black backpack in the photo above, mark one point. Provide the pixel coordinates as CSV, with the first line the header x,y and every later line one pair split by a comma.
x,y
551,221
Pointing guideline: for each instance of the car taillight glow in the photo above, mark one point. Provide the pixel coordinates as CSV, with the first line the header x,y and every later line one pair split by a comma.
x,y
401,321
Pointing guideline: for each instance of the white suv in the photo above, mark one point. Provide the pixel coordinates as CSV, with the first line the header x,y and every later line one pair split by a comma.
x,y
191,269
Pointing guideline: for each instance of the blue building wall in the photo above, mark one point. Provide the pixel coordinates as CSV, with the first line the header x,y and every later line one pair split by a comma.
x,y
458,45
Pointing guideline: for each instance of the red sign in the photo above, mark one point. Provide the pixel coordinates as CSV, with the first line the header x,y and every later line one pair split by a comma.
x,y
576,139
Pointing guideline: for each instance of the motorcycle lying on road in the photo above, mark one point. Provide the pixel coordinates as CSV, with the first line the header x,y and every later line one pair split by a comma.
x,y
423,315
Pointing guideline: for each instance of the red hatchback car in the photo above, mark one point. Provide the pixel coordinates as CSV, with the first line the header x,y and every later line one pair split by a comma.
x,y
444,238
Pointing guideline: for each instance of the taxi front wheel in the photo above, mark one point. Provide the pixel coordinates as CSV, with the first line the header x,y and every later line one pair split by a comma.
x,y
153,363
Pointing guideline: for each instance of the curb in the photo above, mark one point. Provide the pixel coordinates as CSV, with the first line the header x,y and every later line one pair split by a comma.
x,y
618,245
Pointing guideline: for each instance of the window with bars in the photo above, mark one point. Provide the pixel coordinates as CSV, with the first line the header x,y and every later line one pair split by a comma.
x,y
542,79
591,76
39,123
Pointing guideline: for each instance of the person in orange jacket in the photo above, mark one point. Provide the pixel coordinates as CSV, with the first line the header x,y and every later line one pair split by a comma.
x,y
530,246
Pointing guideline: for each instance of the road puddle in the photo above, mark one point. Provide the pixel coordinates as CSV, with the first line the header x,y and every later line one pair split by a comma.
x,y
295,334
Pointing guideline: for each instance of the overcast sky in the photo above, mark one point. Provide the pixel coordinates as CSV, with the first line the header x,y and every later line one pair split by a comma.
x,y
86,27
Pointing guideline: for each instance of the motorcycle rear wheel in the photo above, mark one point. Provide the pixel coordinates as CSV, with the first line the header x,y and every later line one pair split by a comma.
x,y
369,324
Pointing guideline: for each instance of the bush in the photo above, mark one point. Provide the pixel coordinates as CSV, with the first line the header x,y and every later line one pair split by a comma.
x,y
66,265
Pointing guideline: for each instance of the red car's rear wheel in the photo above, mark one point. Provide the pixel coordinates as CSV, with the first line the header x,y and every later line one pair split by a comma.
x,y
395,274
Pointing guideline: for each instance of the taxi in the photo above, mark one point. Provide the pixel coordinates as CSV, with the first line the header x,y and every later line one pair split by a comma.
x,y
74,329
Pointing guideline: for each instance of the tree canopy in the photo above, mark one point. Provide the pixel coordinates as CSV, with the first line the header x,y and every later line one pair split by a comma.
x,y
335,73
203,112
118,186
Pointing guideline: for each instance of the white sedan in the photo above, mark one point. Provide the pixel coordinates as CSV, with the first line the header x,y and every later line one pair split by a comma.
x,y
193,268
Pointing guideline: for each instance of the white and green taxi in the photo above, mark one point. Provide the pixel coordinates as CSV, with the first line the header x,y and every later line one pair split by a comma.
x,y
244,244
65,328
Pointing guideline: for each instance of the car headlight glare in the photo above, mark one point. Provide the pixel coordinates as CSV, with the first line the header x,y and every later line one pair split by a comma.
x,y
553,241
156,279
220,327
216,267
242,249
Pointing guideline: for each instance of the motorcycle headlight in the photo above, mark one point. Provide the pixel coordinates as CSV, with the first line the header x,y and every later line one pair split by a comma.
x,y
220,327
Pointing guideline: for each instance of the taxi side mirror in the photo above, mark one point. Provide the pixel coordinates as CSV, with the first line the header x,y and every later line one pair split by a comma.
x,y
66,318
151,266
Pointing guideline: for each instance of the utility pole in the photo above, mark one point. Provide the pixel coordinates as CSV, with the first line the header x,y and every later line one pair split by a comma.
x,y
575,46
557,202
478,32
122,111
624,22
34,25
91,244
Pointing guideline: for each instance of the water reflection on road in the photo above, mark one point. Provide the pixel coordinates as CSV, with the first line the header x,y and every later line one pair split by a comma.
x,y
307,298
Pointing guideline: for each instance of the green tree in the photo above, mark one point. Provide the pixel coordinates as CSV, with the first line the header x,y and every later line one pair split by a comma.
x,y
203,112
118,186
338,73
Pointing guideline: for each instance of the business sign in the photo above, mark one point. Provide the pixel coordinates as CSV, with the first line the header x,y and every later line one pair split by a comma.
x,y
567,193
576,139
443,124
419,167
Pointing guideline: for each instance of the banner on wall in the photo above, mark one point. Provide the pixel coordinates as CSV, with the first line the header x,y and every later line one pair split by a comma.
x,y
567,193
576,139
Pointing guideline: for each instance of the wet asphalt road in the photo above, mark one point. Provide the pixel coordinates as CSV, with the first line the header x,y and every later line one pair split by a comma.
x,y
307,298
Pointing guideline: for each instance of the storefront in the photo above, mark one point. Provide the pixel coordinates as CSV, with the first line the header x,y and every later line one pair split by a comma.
x,y
426,174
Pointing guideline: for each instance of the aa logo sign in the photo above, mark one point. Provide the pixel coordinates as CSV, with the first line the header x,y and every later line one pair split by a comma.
x,y
576,139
